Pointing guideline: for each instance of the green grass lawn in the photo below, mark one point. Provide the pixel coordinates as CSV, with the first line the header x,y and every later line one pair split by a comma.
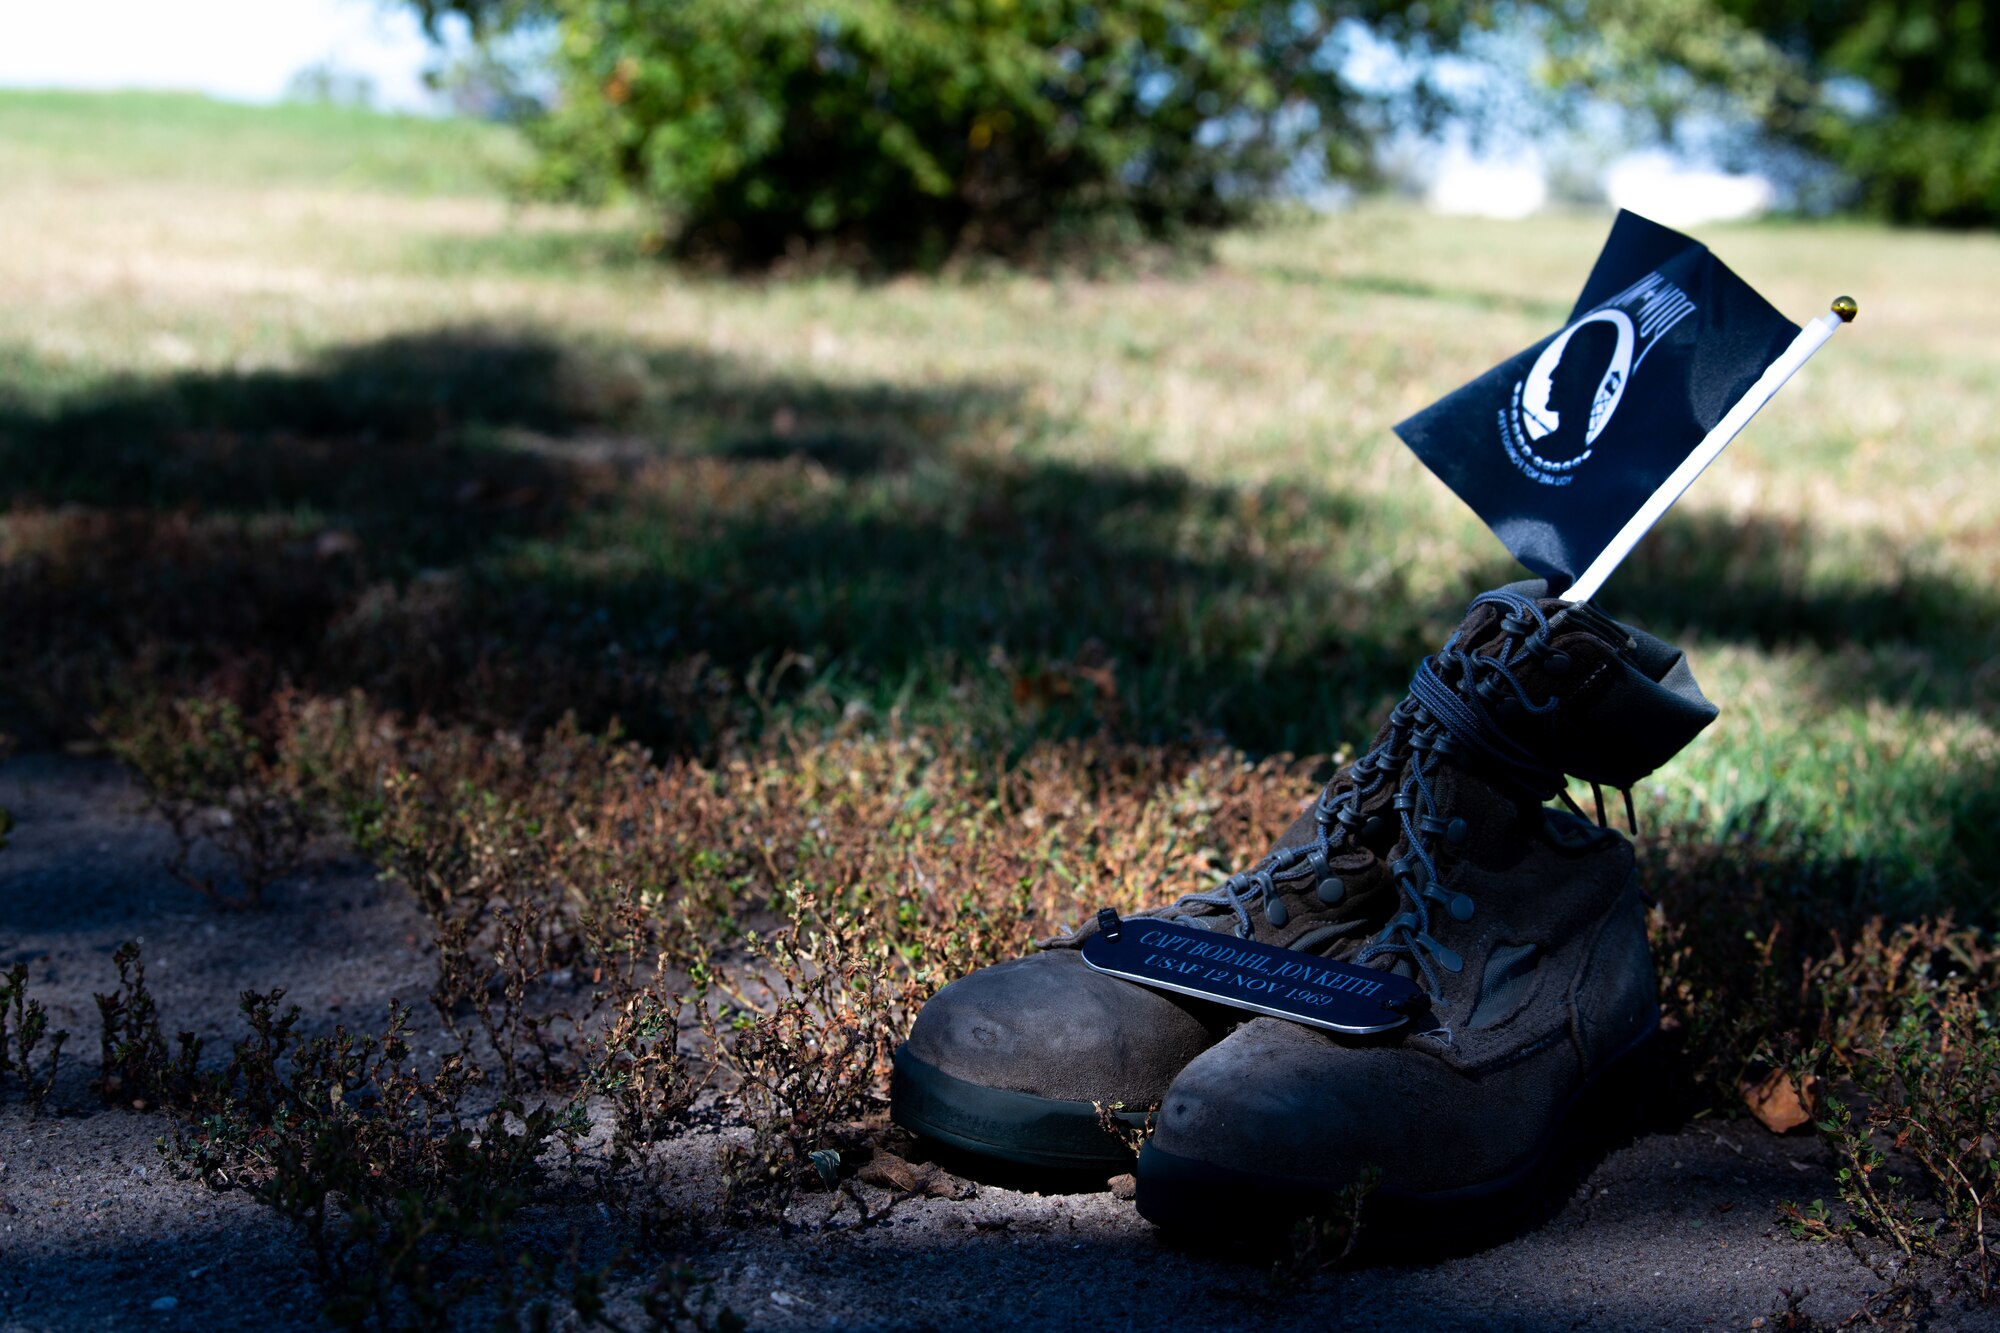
x,y
81,139
1168,508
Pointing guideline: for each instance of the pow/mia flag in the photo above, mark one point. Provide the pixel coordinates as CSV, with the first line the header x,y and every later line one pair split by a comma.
x,y
1559,446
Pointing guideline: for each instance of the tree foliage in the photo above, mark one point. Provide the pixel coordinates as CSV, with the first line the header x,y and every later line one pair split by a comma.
x,y
1903,96
1898,94
908,131
919,130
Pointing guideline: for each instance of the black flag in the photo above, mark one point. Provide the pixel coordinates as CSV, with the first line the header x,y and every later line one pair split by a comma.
x,y
1559,446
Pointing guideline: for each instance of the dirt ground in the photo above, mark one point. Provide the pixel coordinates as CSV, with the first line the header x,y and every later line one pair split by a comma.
x,y
1673,1231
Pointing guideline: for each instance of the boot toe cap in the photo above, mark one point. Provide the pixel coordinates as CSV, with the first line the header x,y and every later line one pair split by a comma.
x,y
1298,1109
1049,1025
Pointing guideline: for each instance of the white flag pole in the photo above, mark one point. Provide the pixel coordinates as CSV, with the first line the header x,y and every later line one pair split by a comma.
x,y
1810,339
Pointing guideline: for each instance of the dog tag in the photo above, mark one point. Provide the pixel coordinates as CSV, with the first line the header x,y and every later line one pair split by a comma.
x,y
1244,974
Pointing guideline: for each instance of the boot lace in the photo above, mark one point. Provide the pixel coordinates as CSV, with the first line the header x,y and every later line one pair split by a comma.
x,y
1425,724
1340,822
1452,707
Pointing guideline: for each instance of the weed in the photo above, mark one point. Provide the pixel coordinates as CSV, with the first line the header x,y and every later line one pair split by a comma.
x,y
134,1065
811,1059
535,861
1322,1243
405,1201
637,1067
1898,1017
1904,1018
408,1200
493,963
23,1025
640,1070
1812,1221
1877,1199
1933,1089
214,780
1111,1119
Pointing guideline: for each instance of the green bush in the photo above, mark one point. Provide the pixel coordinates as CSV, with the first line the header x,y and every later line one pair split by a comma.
x,y
1896,94
1918,129
909,132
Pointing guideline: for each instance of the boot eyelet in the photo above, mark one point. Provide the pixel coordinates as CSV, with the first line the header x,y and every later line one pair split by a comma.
x,y
1556,664
1456,831
1331,890
1277,913
1372,826
1460,907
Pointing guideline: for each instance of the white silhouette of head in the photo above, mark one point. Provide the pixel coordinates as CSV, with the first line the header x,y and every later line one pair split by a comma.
x,y
1539,417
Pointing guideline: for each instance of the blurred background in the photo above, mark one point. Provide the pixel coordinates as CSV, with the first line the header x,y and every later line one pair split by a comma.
x,y
1022,368
1173,111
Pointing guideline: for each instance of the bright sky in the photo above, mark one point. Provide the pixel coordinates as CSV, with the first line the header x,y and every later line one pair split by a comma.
x,y
245,50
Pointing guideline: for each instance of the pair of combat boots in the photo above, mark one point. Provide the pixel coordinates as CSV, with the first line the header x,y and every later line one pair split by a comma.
x,y
1433,857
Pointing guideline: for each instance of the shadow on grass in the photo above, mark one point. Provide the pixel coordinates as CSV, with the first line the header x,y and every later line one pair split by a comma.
x,y
495,527
1875,622
1885,626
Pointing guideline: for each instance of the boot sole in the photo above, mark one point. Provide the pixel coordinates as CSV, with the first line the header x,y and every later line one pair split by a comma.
x,y
1019,1128
1185,1194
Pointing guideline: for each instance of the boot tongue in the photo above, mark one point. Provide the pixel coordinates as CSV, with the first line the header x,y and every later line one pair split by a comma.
x,y
1396,965
1539,658
1486,630
1628,702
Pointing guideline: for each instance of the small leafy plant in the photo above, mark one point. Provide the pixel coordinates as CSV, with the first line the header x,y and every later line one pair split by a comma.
x,y
24,1024
134,1065
1325,1242
392,1184
811,1059
213,779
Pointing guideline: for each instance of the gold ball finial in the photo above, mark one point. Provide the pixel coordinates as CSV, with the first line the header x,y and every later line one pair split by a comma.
x,y
1847,308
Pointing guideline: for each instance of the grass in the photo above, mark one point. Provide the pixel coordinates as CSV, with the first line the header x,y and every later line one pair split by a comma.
x,y
89,140
939,498
959,603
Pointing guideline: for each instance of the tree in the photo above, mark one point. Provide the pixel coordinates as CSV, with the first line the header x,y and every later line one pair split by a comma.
x,y
912,130
1898,94
1903,96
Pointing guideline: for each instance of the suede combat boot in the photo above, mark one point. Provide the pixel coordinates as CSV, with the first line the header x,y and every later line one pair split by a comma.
x,y
1523,925
1013,1061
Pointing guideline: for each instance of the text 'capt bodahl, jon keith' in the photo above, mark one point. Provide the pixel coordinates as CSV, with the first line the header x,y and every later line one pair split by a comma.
x,y
1222,953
